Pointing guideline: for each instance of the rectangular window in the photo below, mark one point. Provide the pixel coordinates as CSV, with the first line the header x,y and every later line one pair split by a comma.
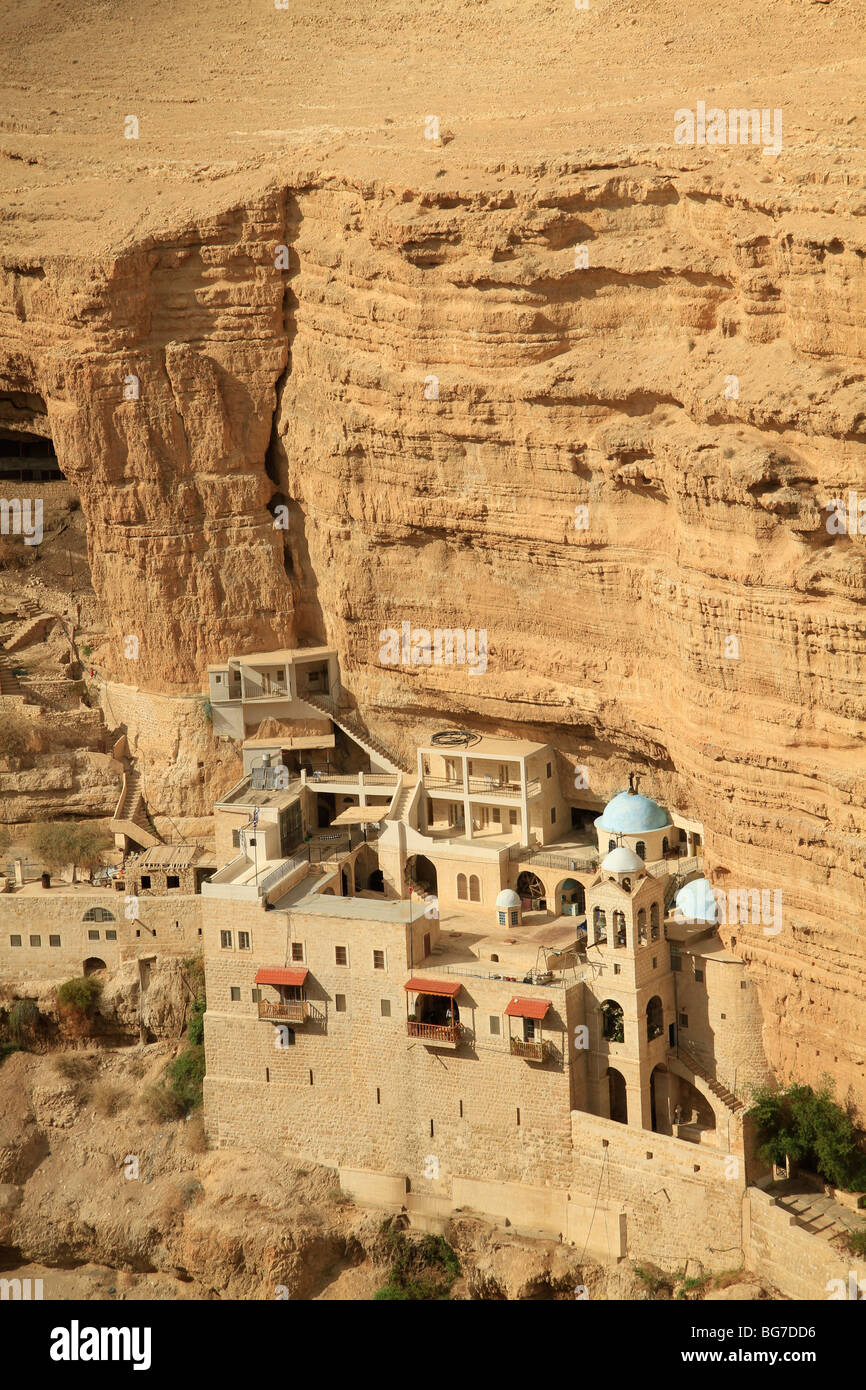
x,y
235,993
549,769
226,940
699,975
109,936
676,957
54,941
385,1008
553,815
495,1025
297,950
236,839
145,880
243,941
256,996
496,815
172,880
378,960
512,816
340,1003
341,955
36,941
617,970
655,961
684,1020
93,936
15,941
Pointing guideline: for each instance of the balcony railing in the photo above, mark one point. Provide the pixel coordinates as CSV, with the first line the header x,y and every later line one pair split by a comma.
x,y
481,786
577,860
284,1010
533,1051
435,1032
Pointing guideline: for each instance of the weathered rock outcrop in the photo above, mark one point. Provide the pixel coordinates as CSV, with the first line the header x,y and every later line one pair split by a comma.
x,y
697,385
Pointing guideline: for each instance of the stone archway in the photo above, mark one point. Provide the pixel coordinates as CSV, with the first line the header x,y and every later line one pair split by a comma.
x,y
617,1099
93,964
569,898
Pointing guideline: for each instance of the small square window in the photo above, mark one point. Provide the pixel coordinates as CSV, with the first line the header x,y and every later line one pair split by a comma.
x,y
340,1003
243,941
699,975
36,941
297,950
744,984
378,960
235,993
503,919
617,969
145,880
385,1008
138,932
684,1020
109,936
226,940
15,941
495,1025
172,880
54,941
341,955
93,936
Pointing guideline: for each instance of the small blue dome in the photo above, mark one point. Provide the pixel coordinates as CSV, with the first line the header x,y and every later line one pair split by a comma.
x,y
695,902
630,813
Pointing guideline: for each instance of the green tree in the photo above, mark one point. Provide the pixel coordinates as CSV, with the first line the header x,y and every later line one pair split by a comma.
x,y
809,1127
56,843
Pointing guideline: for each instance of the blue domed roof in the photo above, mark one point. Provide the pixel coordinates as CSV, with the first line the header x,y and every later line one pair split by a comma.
x,y
695,902
630,813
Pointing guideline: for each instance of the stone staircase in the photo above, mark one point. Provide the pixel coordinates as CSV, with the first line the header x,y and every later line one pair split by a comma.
x,y
8,681
817,1213
690,1058
33,629
351,725
402,803
130,817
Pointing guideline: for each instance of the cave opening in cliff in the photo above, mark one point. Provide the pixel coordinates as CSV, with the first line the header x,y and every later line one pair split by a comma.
x,y
28,458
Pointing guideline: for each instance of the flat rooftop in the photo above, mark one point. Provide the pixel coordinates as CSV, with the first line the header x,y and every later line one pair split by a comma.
x,y
488,747
276,658
242,795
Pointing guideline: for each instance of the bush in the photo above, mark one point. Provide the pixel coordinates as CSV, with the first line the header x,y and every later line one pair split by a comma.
x,y
74,1067
185,1076
421,1271
15,737
194,967
56,843
108,1099
81,993
809,1127
856,1241
22,1021
160,1105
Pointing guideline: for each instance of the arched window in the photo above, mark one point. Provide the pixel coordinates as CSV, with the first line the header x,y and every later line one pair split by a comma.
x,y
599,923
98,914
640,849
461,886
612,1026
641,927
665,845
611,844
654,921
654,1018
619,929
474,888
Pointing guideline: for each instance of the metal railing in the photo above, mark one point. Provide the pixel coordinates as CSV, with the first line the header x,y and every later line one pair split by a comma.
x,y
481,786
435,1032
282,870
550,859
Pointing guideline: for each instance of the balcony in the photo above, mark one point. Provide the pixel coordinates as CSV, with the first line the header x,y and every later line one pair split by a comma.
x,y
480,786
449,1033
286,1010
536,1051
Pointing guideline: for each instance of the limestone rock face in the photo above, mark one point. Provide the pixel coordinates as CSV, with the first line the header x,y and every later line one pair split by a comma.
x,y
592,399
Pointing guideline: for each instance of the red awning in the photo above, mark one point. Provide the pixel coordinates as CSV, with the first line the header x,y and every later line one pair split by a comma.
x,y
282,977
434,987
527,1008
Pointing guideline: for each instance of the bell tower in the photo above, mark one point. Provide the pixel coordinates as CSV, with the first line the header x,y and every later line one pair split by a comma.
x,y
631,1009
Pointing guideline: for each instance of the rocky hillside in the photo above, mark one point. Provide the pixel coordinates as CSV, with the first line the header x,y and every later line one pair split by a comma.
x,y
278,292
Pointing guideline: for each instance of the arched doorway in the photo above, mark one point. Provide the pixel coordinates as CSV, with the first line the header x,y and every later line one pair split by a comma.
x,y
570,898
376,881
344,881
421,874
92,964
616,1096
612,1021
326,809
655,1021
